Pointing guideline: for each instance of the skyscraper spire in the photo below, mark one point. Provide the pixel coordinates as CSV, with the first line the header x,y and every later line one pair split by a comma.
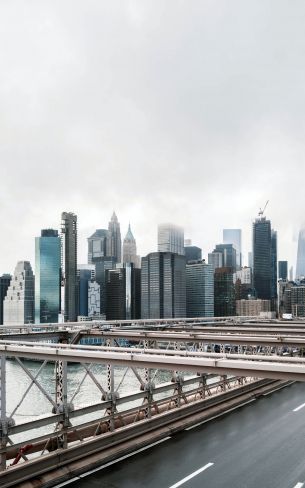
x,y
115,238
130,249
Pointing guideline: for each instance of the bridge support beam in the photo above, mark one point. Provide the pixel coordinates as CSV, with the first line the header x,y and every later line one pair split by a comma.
x,y
5,422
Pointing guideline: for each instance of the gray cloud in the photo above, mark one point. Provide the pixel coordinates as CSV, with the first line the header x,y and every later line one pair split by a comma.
x,y
190,111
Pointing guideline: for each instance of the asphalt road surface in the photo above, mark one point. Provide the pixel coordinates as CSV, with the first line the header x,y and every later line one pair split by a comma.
x,y
261,445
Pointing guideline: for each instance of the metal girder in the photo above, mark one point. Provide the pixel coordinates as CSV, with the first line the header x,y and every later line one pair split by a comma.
x,y
176,337
244,365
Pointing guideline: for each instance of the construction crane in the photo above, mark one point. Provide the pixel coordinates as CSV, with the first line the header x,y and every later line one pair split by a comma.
x,y
261,212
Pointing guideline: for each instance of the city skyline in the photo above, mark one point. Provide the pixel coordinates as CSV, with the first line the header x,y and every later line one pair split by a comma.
x,y
149,246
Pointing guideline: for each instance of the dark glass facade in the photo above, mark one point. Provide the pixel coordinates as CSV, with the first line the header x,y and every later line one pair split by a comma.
x,y
123,291
163,286
5,281
84,277
199,290
192,253
224,293
47,277
262,259
283,270
273,270
228,255
101,266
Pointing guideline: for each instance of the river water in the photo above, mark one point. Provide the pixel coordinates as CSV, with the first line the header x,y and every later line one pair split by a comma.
x,y
35,404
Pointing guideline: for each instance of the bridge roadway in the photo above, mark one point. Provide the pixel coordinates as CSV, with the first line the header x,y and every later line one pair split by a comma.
x,y
260,445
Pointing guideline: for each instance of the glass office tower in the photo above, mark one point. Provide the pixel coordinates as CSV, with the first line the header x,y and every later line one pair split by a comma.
x,y
233,236
199,289
5,281
163,286
263,248
283,270
47,277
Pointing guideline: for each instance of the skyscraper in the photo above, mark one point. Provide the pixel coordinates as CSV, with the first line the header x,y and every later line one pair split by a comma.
x,y
130,249
215,259
5,281
85,274
192,253
94,299
101,267
47,276
283,270
115,238
273,270
300,269
163,286
199,289
233,236
170,238
69,265
123,288
228,255
19,301
98,245
262,258
224,293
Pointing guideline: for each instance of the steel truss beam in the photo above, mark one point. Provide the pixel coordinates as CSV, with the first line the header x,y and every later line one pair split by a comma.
x,y
276,367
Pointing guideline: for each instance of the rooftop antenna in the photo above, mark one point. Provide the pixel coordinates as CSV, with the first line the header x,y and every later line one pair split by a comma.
x,y
261,212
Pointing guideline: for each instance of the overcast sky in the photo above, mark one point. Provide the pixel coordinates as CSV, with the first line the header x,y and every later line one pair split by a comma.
x,y
165,110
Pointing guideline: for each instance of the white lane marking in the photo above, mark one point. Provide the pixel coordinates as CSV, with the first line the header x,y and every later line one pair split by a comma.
x,y
124,457
192,475
65,483
112,462
220,414
299,408
299,485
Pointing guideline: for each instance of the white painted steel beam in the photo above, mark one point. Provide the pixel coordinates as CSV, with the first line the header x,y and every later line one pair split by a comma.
x,y
260,366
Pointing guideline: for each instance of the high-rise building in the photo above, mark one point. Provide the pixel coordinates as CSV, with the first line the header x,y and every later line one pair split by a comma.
x,y
98,245
94,299
5,281
228,252
163,286
224,293
233,236
85,274
273,270
199,289
250,259
130,250
47,277
292,298
283,270
101,267
215,259
115,238
18,306
262,260
123,288
300,269
69,265
170,238
192,253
